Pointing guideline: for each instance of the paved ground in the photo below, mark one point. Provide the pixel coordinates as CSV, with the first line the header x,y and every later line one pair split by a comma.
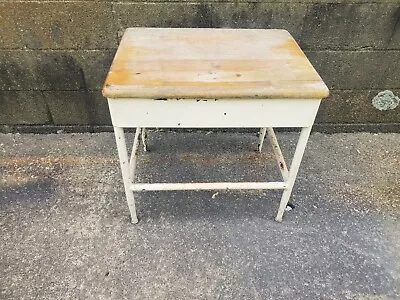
x,y
65,231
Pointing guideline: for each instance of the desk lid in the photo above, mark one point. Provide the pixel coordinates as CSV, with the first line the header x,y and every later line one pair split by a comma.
x,y
211,63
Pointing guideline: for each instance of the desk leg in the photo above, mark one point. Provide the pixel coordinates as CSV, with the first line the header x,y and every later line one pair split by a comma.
x,y
134,154
124,161
294,168
144,139
261,138
278,153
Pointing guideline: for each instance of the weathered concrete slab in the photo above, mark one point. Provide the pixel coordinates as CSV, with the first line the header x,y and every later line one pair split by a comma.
x,y
65,230
23,107
77,107
54,70
349,107
57,25
360,70
350,26
239,15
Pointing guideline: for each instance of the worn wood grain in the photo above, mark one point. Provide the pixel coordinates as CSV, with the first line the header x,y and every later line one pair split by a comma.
x,y
211,63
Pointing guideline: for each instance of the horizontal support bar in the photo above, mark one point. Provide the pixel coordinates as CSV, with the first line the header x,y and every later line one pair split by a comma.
x,y
208,186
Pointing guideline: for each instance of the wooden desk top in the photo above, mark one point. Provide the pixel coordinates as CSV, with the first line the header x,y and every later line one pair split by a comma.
x,y
211,63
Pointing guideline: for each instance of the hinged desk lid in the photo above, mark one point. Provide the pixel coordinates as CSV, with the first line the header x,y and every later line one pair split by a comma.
x,y
211,63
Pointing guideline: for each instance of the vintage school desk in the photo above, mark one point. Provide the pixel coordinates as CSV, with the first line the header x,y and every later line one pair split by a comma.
x,y
249,77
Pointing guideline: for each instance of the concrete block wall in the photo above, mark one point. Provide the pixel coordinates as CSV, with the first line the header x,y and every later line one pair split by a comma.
x,y
54,54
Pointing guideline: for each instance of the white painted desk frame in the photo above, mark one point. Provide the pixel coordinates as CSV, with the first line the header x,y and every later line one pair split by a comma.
x,y
211,78
224,113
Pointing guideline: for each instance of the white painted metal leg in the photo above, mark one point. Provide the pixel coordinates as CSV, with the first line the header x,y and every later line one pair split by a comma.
x,y
134,154
294,168
278,153
123,158
261,138
144,139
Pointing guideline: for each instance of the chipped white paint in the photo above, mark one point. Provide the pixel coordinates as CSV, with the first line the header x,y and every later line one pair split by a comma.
x,y
275,147
223,113
294,168
261,138
278,153
144,139
123,159
207,117
134,153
